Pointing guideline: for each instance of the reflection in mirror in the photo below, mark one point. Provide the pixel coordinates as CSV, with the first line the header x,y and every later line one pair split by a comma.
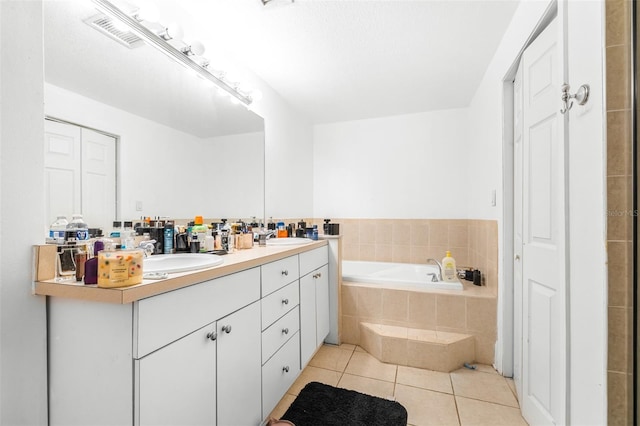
x,y
182,149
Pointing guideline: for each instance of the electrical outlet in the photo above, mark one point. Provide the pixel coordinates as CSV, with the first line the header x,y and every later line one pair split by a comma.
x,y
138,206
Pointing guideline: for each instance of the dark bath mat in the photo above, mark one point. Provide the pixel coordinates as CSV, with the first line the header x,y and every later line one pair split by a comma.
x,y
323,405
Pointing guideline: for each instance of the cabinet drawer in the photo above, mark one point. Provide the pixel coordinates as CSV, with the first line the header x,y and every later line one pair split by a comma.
x,y
277,274
279,332
279,373
162,319
279,303
311,260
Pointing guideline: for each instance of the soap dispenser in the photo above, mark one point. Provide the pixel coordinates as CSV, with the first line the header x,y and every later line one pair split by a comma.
x,y
449,268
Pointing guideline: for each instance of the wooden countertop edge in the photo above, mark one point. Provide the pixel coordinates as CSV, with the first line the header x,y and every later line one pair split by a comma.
x,y
149,288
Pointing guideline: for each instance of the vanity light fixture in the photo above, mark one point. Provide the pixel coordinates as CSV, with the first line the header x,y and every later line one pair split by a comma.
x,y
172,32
185,57
195,48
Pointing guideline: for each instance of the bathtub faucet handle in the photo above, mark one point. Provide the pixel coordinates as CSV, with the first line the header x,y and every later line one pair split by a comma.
x,y
434,277
437,262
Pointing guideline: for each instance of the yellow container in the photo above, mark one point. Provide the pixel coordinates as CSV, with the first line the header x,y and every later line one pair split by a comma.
x,y
120,268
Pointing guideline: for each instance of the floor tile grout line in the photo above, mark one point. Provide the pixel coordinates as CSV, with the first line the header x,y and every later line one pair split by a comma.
x,y
455,401
489,402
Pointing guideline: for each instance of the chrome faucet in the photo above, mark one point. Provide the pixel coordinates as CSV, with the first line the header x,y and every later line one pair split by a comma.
x,y
148,247
438,276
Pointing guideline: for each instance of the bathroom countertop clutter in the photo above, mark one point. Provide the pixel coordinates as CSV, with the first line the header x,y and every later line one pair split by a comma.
x,y
46,285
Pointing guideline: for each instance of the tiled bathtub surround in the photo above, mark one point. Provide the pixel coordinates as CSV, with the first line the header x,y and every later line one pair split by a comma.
x,y
473,314
472,243
619,205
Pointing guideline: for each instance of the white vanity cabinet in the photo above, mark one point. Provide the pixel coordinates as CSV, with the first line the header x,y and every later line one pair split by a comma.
x,y
314,302
222,351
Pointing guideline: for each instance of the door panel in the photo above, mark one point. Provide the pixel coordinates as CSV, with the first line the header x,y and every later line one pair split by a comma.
x,y
177,384
62,170
543,396
98,178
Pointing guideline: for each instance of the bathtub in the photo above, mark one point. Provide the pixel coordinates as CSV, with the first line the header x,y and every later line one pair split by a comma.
x,y
393,275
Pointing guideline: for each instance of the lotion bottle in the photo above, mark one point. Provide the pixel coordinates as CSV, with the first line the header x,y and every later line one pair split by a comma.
x,y
448,268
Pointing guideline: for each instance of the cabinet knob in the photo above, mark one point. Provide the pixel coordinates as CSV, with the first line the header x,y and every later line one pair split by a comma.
x,y
285,368
285,301
226,329
318,275
285,331
285,273
212,335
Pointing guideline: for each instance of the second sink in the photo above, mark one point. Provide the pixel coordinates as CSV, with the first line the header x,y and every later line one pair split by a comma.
x,y
181,262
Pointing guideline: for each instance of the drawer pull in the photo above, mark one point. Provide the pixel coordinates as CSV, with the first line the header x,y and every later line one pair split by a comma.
x,y
226,329
285,273
285,301
212,336
285,368
285,331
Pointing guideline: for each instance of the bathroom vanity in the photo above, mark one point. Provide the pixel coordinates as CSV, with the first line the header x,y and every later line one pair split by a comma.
x,y
215,346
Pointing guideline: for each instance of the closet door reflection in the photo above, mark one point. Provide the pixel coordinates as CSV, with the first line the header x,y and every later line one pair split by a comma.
x,y
80,174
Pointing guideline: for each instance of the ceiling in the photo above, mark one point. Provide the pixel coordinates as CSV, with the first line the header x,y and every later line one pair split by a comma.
x,y
341,60
331,60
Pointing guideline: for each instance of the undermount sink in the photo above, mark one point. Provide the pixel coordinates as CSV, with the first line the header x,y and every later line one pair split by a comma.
x,y
288,241
180,262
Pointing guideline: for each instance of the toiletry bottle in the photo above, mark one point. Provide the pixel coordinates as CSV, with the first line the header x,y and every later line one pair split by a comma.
x,y
314,234
117,229
270,225
127,239
168,237
282,231
91,265
199,232
449,268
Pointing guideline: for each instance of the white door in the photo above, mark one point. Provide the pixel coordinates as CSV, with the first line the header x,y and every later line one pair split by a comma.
x,y
544,324
240,367
80,174
61,170
176,385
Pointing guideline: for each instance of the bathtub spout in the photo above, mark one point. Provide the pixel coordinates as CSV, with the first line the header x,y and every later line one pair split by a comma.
x,y
439,276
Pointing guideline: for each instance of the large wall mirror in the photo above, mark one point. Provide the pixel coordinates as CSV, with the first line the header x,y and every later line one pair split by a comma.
x,y
182,149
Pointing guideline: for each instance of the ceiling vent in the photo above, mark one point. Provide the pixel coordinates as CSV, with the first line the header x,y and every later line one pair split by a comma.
x,y
106,26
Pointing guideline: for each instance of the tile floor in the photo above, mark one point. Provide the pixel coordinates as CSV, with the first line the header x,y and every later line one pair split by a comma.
x,y
462,397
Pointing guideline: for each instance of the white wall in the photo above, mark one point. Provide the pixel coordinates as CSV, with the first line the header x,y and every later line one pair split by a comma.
x,y
408,166
288,175
173,173
23,349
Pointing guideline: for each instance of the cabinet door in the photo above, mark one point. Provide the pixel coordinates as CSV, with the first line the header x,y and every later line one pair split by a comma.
x,y
239,368
321,277
307,318
177,383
